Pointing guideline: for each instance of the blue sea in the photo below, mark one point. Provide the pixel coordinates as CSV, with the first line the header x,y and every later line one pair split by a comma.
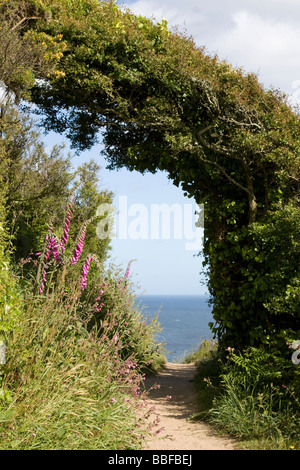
x,y
184,319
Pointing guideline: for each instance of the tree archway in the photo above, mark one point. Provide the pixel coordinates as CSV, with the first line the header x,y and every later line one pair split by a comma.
x,y
166,104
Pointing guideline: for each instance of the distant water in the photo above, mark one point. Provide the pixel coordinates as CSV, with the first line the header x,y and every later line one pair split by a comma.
x,y
184,319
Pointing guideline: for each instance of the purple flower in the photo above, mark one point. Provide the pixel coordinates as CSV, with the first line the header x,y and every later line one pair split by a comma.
x,y
65,237
85,271
79,247
52,247
115,338
128,268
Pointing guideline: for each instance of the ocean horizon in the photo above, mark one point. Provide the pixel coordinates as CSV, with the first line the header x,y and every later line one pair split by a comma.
x,y
184,321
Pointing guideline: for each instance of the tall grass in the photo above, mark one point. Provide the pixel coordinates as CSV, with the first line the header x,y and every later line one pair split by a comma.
x,y
254,419
259,399
252,396
76,359
69,387
207,379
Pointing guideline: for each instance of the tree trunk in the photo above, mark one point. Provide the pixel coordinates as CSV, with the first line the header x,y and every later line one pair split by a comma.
x,y
251,195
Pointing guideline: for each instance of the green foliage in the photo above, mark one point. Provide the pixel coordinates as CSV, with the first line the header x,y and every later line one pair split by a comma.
x,y
87,198
114,298
70,388
231,144
39,184
255,402
26,56
207,380
74,371
166,104
205,351
10,295
278,240
254,279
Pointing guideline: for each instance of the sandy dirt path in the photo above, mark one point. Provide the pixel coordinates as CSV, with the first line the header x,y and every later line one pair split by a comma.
x,y
174,402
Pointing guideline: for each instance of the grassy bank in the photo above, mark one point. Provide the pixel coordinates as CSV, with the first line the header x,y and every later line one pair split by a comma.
x,y
245,396
69,383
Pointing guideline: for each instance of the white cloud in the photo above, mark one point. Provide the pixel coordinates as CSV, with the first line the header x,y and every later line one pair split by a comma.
x,y
261,36
295,95
257,41
263,45
173,11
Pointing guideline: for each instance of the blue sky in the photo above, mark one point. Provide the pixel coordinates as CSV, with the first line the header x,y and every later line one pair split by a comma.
x,y
260,36
161,266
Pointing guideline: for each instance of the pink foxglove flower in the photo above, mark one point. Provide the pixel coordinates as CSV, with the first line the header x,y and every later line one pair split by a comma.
x,y
65,237
85,271
115,338
128,268
79,247
52,248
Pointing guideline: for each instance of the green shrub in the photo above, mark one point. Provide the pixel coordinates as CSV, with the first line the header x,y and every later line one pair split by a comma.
x,y
256,402
207,379
10,297
70,387
204,352
114,299
76,359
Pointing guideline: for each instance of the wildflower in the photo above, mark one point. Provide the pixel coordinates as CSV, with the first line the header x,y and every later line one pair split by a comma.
x,y
85,271
65,237
128,268
79,247
115,338
54,247
113,400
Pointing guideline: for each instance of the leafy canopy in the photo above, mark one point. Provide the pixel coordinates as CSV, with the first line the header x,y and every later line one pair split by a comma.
x,y
164,103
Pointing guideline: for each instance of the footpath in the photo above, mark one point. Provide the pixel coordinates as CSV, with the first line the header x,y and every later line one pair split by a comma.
x,y
173,396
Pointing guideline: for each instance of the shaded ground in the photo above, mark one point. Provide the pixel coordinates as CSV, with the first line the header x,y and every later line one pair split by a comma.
x,y
175,400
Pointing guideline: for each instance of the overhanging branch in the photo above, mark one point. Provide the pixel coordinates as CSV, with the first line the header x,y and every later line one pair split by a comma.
x,y
23,21
220,168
